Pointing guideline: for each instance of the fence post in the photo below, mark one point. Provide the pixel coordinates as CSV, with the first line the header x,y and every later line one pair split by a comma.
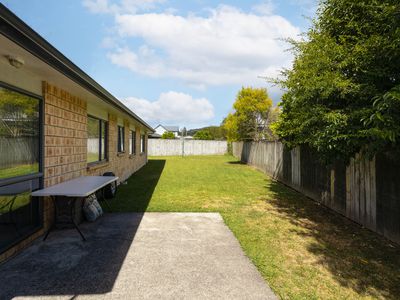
x,y
183,146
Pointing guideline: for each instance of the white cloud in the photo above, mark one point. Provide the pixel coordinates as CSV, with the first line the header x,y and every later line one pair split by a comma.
x,y
226,47
264,8
124,6
172,107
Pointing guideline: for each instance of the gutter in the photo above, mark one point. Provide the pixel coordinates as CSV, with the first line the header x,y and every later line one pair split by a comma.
x,y
20,33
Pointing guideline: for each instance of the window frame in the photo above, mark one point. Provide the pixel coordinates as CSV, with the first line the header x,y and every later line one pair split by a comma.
x,y
102,123
142,143
39,174
120,139
132,135
29,177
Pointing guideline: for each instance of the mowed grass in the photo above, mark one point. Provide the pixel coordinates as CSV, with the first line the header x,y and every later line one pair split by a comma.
x,y
303,250
19,170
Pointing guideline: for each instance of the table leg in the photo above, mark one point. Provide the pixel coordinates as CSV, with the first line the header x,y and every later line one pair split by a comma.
x,y
55,218
73,204
106,201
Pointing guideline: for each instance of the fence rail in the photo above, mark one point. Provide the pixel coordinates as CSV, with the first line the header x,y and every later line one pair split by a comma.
x,y
164,147
365,191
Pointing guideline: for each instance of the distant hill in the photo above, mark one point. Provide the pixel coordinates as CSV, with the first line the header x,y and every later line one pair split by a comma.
x,y
217,132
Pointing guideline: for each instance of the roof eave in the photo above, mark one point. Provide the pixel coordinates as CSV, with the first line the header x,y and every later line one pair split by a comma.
x,y
20,33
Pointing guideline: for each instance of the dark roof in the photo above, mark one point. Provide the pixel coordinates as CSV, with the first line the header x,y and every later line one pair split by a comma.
x,y
172,128
20,33
169,128
155,135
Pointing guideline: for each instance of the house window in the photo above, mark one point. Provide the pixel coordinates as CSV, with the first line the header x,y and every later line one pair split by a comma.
x,y
20,164
97,140
132,142
142,144
121,139
19,134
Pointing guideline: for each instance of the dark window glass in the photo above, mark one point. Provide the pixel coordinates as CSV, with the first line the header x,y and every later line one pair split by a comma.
x,y
19,134
142,144
121,139
97,140
132,143
20,144
19,212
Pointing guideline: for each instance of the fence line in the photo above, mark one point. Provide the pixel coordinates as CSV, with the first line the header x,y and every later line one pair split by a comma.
x,y
365,191
19,150
164,147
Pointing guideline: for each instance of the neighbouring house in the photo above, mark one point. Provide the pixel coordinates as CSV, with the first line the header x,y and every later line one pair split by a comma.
x,y
56,124
154,136
160,129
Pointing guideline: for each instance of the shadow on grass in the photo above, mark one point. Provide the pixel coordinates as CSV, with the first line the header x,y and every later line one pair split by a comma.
x,y
356,257
236,162
135,196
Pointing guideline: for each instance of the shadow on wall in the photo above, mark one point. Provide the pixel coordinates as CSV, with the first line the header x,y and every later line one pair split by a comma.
x,y
65,265
356,257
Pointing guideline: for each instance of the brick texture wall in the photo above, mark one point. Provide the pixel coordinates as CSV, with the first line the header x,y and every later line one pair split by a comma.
x,y
121,164
65,149
65,130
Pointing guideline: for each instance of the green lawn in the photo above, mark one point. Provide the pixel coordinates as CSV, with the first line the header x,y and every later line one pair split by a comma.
x,y
19,170
303,250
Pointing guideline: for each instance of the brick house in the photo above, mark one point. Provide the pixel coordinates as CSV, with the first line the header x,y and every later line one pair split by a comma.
x,y
56,123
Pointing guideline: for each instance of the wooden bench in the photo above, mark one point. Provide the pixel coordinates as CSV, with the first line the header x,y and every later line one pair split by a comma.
x,y
71,191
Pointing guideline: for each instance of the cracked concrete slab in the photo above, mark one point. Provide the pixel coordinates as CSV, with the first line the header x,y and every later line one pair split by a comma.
x,y
136,256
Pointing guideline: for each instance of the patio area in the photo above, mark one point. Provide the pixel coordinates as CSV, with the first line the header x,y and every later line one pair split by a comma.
x,y
136,256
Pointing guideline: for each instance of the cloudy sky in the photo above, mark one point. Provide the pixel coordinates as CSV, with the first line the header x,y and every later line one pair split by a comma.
x,y
173,62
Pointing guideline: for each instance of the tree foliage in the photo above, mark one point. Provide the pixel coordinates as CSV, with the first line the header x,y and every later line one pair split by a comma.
x,y
19,114
251,117
343,92
167,135
203,135
217,132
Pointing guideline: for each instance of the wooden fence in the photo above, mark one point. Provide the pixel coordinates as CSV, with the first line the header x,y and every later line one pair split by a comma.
x,y
365,191
16,151
162,147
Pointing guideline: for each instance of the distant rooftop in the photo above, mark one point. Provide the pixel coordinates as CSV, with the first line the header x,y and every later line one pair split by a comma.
x,y
170,128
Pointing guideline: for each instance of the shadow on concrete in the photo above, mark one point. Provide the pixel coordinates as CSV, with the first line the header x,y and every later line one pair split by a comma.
x,y
65,265
357,258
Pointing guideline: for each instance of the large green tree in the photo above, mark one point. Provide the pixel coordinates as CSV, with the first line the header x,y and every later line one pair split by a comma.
x,y
19,114
250,119
167,135
203,135
343,92
217,132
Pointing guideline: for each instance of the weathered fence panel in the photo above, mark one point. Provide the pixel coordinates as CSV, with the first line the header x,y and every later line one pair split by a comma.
x,y
366,191
164,147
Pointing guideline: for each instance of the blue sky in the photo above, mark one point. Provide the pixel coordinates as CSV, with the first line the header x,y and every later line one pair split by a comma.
x,y
172,62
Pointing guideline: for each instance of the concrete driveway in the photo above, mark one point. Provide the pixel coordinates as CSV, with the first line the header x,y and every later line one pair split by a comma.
x,y
136,256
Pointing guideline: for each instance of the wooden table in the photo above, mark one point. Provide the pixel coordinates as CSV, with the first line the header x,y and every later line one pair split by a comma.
x,y
72,190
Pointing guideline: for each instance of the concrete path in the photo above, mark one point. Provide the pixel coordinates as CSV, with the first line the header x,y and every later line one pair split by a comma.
x,y
136,256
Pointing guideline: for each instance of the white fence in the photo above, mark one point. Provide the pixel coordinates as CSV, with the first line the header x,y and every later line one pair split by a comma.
x,y
161,147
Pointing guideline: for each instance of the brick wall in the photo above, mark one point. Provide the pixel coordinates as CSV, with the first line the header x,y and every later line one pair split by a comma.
x,y
65,134
65,149
122,164
65,130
